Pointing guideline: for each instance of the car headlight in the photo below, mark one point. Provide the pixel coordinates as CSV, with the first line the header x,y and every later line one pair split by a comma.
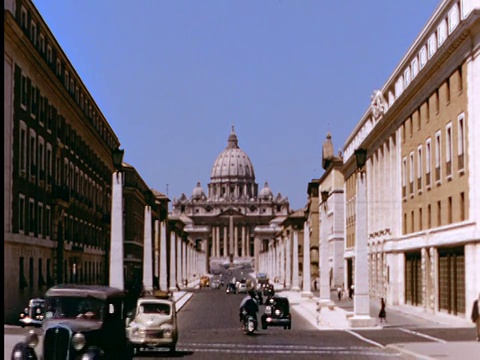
x,y
268,310
31,339
277,312
78,341
167,330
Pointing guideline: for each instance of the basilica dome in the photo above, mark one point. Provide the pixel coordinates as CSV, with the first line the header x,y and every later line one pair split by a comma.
x,y
232,162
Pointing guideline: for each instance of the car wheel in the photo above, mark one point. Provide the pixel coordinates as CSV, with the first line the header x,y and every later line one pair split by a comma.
x,y
289,326
172,349
264,326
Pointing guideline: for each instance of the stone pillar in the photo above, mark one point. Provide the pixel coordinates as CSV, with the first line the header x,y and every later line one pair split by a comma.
x,y
307,286
247,242
295,279
214,242
243,242
225,241
256,245
230,237
163,256
179,261
116,273
156,251
361,301
288,262
217,254
236,242
173,261
323,257
184,262
147,250
282,260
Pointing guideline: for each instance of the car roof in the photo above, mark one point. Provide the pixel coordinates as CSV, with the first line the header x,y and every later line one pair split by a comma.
x,y
97,291
154,300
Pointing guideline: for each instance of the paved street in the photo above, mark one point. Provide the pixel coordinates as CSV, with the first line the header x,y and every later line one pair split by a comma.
x,y
209,329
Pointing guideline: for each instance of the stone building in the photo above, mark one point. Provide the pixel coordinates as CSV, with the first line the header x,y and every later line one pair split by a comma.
x,y
228,221
423,170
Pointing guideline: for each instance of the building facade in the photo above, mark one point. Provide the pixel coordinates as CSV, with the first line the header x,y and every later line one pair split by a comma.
x,y
228,221
58,165
422,169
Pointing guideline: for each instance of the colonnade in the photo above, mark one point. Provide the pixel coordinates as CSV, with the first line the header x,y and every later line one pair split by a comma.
x,y
228,244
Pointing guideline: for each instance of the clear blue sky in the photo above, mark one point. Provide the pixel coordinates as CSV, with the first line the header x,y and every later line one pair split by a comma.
x,y
171,77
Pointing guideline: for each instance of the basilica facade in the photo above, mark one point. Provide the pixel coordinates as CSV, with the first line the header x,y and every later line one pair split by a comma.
x,y
234,221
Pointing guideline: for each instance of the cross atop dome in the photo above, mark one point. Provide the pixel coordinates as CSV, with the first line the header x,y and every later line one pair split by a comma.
x,y
232,140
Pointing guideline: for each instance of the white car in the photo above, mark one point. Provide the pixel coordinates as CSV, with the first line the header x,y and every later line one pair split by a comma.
x,y
242,288
154,325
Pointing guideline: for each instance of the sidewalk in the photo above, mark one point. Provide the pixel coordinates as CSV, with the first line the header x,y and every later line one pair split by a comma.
x,y
336,318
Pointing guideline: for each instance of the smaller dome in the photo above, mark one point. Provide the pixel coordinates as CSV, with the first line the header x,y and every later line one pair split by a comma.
x,y
265,192
198,192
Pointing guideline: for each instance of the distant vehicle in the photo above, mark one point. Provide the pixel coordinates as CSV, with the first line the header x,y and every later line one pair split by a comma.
x,y
242,288
33,314
268,290
231,289
277,313
154,324
204,281
215,284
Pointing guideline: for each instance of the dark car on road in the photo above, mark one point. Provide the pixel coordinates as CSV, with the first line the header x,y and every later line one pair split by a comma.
x,y
231,288
81,322
33,314
277,313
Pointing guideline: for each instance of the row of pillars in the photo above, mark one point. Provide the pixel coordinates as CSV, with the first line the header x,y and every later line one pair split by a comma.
x,y
230,241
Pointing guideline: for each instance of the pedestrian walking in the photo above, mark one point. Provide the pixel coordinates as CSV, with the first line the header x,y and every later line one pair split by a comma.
x,y
383,313
476,316
351,291
339,293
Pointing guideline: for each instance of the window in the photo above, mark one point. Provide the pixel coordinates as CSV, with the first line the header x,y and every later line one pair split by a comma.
x,y
438,156
423,57
432,45
404,177
439,213
67,80
450,219
414,67
21,273
412,167
40,219
41,279
420,219
31,272
437,102
49,54
23,149
462,206
31,216
23,18
442,32
21,214
419,168
33,33
460,79
448,150
412,220
33,153
429,216
59,68
49,164
427,110
41,159
461,143
34,101
428,162
24,89
406,76
72,87
48,221
41,44
447,91
453,18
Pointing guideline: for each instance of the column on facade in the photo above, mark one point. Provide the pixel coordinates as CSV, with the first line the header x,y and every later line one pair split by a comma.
x,y
173,261
225,241
156,251
288,262
217,228
205,258
243,242
247,242
147,250
184,262
295,280
256,246
307,287
282,260
163,256
323,256
179,261
230,236
235,246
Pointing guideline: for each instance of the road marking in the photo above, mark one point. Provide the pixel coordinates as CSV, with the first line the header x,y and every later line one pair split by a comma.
x,y
423,335
365,339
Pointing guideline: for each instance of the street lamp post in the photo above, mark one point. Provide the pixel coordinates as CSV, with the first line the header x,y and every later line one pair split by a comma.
x,y
116,227
361,300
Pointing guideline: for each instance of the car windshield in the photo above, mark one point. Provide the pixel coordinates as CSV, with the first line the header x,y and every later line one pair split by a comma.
x,y
154,308
74,307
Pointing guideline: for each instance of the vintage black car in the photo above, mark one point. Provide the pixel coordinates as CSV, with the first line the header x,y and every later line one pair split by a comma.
x,y
81,321
277,313
231,288
268,290
33,314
